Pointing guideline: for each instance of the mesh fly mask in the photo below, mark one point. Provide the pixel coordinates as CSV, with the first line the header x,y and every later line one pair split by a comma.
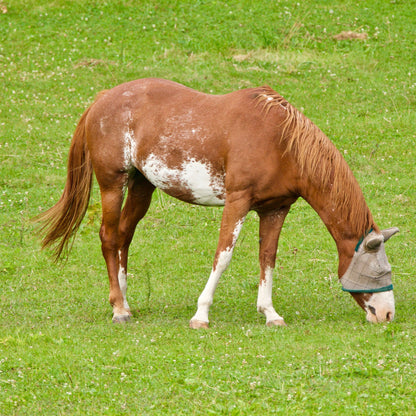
x,y
369,270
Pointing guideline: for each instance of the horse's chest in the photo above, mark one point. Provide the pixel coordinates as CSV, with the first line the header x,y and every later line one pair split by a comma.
x,y
189,180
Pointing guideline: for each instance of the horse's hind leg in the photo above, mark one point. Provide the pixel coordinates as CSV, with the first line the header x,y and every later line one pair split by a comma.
x,y
137,203
112,200
117,231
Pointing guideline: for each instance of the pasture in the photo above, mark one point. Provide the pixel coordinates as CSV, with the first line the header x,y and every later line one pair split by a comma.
x,y
59,352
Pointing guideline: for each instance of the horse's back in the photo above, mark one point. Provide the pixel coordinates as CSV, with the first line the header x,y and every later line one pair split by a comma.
x,y
183,141
166,131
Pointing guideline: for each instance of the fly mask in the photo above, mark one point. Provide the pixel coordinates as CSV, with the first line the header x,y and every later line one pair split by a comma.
x,y
369,270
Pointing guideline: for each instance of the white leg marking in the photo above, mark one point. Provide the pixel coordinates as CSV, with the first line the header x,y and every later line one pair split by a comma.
x,y
264,299
122,281
206,298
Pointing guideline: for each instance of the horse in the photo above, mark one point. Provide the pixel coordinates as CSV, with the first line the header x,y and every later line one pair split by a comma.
x,y
248,150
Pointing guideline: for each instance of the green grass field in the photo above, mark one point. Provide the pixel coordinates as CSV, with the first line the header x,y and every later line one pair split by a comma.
x,y
59,352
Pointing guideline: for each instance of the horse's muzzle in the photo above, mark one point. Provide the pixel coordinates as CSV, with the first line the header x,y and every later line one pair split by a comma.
x,y
380,307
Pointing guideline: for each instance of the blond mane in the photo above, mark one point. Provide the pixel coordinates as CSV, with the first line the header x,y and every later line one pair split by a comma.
x,y
319,159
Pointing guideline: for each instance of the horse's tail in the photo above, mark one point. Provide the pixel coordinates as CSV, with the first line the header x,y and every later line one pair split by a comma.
x,y
61,222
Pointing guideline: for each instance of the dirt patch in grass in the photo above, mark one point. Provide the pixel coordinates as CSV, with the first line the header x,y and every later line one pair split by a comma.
x,y
88,62
351,35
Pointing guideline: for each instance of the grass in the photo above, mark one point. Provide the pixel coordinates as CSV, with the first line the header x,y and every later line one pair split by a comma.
x,y
59,352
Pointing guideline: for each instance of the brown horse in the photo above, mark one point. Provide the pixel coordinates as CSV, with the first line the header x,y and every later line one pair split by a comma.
x,y
247,150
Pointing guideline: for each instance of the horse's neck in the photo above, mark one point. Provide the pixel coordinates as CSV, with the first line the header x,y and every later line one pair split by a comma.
x,y
324,179
345,234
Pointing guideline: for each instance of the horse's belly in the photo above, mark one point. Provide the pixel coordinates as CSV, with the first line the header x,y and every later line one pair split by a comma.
x,y
192,181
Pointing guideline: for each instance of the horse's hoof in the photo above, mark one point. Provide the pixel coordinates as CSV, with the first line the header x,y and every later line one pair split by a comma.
x,y
195,324
276,322
121,319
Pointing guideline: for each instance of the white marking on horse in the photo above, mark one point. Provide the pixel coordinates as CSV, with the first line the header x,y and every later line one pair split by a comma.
x,y
130,147
122,281
380,307
269,98
207,296
264,298
195,176
237,230
105,125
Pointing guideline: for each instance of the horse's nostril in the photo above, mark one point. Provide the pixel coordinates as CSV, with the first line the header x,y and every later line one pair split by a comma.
x,y
389,317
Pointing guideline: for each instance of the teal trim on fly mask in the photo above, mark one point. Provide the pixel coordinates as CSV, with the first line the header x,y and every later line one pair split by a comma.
x,y
381,289
362,239
369,270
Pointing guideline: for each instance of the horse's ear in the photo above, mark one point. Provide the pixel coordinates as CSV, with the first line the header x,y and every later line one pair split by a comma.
x,y
389,232
373,241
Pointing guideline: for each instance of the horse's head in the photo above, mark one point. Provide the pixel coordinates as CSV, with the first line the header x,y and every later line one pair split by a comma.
x,y
368,277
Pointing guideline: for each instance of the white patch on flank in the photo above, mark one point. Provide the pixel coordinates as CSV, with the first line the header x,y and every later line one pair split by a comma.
x,y
129,149
127,93
264,298
207,296
383,304
122,281
193,175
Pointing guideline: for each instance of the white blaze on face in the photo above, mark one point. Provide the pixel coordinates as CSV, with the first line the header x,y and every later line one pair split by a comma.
x,y
193,176
380,307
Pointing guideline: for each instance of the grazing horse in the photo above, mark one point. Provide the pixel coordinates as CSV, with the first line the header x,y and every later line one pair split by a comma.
x,y
247,150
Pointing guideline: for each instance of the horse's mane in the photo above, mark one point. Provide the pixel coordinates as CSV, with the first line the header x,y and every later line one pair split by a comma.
x,y
319,159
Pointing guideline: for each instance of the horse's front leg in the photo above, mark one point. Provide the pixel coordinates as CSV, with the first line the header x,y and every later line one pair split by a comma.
x,y
233,217
270,227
